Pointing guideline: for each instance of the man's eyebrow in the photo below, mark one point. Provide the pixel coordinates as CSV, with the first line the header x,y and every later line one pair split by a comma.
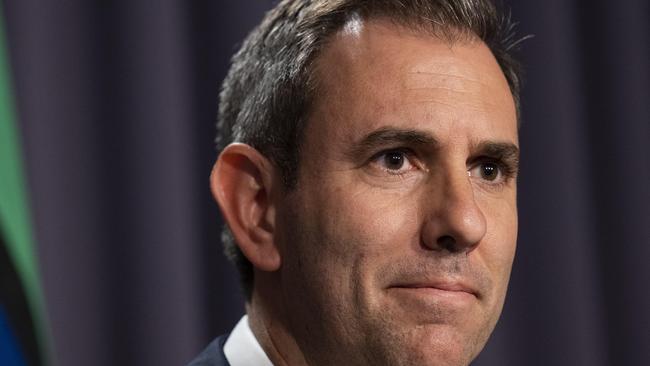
x,y
505,151
390,135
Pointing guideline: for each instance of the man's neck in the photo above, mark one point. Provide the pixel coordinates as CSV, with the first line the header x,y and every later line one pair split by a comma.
x,y
270,329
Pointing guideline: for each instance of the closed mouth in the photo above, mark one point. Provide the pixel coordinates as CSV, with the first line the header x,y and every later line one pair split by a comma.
x,y
441,288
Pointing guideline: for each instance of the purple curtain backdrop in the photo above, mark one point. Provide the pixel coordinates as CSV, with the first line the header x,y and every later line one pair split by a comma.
x,y
117,103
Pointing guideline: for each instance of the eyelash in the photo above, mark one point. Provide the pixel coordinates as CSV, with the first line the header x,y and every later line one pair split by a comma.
x,y
505,170
407,158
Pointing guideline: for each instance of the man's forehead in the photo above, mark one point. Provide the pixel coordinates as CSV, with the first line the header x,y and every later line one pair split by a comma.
x,y
363,43
381,74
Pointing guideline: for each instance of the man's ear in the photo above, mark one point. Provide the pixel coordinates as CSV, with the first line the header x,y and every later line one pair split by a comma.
x,y
242,181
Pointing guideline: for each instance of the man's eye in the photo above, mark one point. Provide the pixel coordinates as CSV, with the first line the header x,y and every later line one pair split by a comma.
x,y
393,162
488,171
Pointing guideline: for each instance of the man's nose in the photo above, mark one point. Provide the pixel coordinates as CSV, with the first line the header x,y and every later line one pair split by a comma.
x,y
453,219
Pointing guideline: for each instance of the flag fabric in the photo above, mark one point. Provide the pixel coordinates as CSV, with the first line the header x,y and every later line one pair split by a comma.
x,y
22,325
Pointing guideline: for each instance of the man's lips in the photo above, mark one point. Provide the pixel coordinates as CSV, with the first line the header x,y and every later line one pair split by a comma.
x,y
439,288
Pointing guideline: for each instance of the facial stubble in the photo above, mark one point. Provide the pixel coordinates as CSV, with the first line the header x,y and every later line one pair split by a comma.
x,y
356,329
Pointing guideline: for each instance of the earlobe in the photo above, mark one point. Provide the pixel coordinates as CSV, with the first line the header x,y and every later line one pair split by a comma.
x,y
242,182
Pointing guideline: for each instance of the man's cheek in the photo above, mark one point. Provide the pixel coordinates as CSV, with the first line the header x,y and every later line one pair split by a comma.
x,y
376,219
496,251
501,236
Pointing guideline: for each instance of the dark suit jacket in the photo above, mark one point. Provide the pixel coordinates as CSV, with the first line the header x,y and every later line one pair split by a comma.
x,y
213,354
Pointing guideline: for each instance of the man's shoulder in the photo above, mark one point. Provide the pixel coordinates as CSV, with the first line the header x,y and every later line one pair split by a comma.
x,y
213,354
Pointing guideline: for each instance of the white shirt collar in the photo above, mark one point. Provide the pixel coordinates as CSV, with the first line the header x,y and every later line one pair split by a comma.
x,y
243,349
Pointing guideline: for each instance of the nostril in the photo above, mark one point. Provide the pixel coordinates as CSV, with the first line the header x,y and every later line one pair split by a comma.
x,y
447,242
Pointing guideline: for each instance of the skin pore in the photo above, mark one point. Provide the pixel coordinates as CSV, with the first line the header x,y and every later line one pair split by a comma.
x,y
395,248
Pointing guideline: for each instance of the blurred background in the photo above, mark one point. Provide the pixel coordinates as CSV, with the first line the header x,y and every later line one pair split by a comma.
x,y
110,250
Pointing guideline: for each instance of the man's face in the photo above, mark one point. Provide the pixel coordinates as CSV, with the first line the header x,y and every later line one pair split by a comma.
x,y
398,241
